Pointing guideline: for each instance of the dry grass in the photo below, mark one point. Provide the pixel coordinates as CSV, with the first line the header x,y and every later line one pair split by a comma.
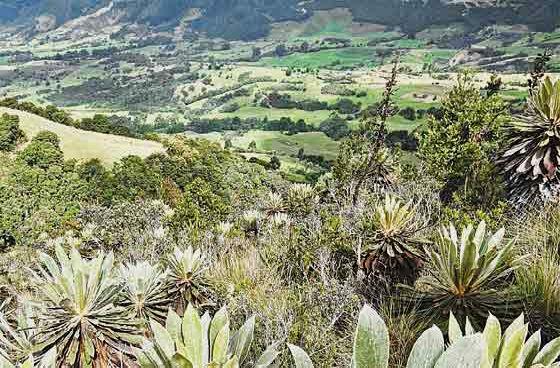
x,y
405,326
83,145
538,237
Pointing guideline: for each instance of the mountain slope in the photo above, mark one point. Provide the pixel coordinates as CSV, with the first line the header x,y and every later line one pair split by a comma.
x,y
83,145
415,15
251,19
230,19
31,12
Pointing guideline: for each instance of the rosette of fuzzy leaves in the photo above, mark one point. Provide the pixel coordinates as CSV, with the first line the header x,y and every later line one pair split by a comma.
x,y
79,313
533,155
391,248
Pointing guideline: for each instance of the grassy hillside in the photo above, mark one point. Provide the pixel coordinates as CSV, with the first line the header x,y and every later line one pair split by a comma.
x,y
81,144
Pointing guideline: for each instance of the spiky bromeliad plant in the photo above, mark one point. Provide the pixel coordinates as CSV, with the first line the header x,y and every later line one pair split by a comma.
x,y
390,247
186,279
273,204
250,222
79,313
467,273
48,361
145,291
533,157
301,199
16,334
195,342
489,349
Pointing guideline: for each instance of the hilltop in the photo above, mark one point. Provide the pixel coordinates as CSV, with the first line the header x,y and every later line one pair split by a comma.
x,y
83,145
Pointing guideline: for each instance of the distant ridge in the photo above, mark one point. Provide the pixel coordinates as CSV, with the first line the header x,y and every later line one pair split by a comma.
x,y
253,19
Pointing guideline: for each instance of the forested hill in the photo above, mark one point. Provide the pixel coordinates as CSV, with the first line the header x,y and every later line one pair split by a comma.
x,y
233,19
415,15
251,19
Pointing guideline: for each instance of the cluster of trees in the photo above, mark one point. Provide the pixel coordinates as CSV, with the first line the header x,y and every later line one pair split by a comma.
x,y
273,164
84,54
39,182
100,123
285,101
284,124
412,114
335,127
318,160
338,90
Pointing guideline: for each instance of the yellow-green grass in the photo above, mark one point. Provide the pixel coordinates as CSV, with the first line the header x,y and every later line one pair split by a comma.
x,y
316,117
81,112
83,145
310,117
217,137
395,123
313,143
52,48
87,70
288,163
398,122
513,94
325,58
426,56
337,22
295,168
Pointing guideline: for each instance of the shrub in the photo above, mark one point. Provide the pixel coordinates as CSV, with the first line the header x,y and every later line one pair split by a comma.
x,y
43,151
408,113
335,127
133,178
200,206
47,137
274,163
10,133
458,147
467,274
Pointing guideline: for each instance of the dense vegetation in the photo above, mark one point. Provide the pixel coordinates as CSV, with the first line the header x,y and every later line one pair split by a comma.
x,y
199,257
